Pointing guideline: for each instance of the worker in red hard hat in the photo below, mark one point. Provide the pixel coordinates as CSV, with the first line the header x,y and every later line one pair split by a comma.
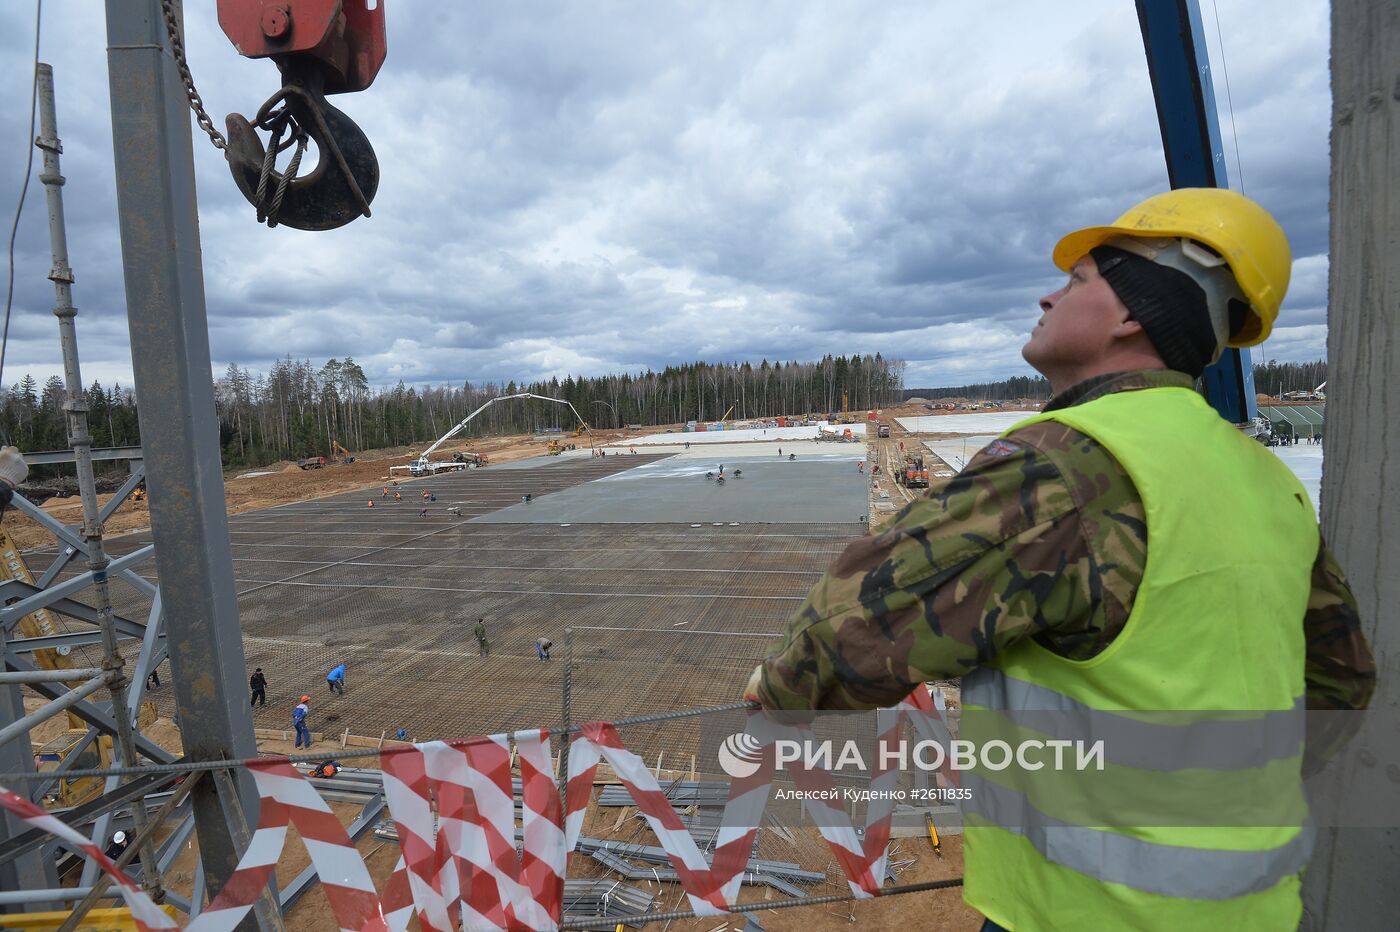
x,y
1028,576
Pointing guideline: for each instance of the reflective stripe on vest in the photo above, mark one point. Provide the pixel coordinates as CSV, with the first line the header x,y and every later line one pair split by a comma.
x,y
1149,741
1164,870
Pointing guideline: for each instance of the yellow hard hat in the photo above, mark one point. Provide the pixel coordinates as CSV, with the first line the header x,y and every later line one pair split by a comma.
x,y
1245,235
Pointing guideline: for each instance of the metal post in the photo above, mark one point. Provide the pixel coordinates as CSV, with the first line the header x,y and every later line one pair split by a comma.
x,y
568,700
1180,71
81,441
159,225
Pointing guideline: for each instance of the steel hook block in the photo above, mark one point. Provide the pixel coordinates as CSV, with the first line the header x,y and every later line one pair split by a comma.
x,y
340,187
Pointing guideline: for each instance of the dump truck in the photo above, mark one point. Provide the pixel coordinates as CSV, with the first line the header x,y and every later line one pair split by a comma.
x,y
312,462
913,472
882,429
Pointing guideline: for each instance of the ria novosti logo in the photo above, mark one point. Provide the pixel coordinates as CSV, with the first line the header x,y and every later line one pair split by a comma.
x,y
740,755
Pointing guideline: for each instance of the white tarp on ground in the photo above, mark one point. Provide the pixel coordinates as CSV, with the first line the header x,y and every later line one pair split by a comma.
x,y
980,422
957,451
978,429
1305,459
739,436
714,453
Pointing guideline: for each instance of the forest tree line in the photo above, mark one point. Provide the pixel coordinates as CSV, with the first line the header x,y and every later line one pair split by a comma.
x,y
298,408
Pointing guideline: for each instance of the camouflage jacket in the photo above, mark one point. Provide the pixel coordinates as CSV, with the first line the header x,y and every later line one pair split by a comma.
x,y
1008,549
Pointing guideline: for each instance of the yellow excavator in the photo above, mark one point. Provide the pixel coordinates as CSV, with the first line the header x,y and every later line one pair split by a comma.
x,y
340,455
49,754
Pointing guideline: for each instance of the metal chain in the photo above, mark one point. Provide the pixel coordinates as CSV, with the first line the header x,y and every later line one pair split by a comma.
x,y
177,49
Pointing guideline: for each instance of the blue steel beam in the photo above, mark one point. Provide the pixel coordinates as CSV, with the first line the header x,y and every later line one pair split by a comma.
x,y
1181,85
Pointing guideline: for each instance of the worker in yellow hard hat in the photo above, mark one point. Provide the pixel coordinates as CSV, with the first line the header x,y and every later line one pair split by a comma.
x,y
1028,576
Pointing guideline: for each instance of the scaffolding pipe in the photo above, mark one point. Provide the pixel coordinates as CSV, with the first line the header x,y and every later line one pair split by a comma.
x,y
60,894
50,676
71,698
76,408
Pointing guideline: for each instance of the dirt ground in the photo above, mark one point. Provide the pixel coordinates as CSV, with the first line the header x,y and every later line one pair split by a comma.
x,y
283,482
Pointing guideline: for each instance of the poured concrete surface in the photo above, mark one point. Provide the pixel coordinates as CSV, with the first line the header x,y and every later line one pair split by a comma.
x,y
665,616
815,489
806,432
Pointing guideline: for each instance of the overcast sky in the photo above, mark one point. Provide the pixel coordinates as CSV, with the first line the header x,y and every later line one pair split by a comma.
x,y
587,188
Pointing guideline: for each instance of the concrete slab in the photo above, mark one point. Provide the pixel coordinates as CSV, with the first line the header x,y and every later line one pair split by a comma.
x,y
738,436
724,452
827,489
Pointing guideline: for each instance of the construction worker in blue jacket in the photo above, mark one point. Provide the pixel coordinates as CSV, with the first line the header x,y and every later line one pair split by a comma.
x,y
335,680
299,721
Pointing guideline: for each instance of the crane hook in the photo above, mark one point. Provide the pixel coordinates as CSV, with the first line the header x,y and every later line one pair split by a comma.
x,y
338,190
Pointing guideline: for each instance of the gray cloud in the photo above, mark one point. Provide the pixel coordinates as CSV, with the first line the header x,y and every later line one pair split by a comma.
x,y
590,188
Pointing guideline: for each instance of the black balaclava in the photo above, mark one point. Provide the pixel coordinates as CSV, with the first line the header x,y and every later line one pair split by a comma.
x,y
1170,306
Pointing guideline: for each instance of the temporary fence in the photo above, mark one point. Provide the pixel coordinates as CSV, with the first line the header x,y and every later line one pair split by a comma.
x,y
453,805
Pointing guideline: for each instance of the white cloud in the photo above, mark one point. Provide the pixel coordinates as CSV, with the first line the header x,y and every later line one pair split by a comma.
x,y
581,189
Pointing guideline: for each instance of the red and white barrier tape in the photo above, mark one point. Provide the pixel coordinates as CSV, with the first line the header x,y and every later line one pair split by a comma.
x,y
467,865
288,798
711,888
146,914
453,803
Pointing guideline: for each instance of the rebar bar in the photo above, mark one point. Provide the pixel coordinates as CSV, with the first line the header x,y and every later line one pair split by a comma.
x,y
742,908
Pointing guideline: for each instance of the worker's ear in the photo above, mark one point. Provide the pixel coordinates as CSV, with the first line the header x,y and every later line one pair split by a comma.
x,y
1127,327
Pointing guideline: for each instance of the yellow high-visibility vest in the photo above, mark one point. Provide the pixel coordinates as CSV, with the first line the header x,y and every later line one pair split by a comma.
x,y
1196,819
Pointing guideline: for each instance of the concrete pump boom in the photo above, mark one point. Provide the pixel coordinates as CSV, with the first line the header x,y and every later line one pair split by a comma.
x,y
421,466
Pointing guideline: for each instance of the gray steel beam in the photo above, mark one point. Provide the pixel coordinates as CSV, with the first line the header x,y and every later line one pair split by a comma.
x,y
78,816
71,639
152,652
159,223
67,537
19,727
126,628
175,842
91,713
34,871
138,473
47,457
10,614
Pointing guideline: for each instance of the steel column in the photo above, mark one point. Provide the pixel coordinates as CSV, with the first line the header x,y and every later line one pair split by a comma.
x,y
166,315
32,871
1181,84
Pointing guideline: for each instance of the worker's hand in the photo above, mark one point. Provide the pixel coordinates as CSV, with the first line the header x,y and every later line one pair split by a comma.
x,y
13,468
751,689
